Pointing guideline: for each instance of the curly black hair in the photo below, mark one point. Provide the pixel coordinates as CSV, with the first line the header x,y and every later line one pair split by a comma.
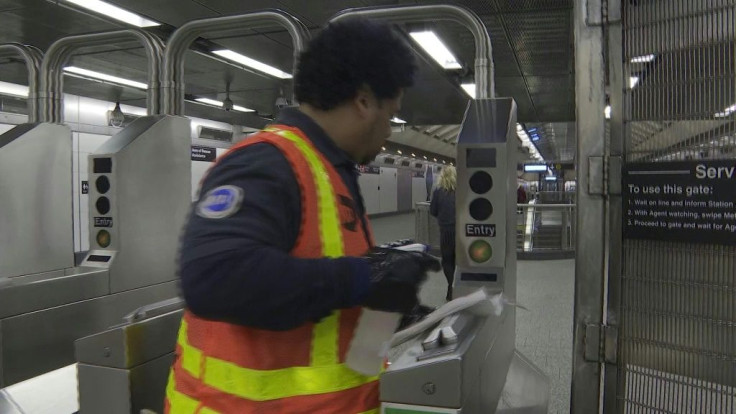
x,y
349,54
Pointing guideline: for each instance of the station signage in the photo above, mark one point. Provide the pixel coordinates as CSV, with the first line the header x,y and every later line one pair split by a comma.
x,y
687,201
369,169
200,153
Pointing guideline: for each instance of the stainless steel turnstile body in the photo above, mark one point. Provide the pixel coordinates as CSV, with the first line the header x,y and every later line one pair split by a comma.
x,y
124,369
45,302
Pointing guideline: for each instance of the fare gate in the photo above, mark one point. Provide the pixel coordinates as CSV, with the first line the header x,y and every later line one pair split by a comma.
x,y
659,327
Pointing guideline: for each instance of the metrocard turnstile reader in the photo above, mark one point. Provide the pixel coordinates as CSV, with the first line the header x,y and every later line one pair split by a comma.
x,y
467,363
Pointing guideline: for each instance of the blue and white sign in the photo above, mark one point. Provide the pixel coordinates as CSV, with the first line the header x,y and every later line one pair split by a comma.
x,y
221,202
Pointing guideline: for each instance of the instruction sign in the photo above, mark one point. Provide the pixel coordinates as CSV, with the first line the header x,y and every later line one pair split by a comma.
x,y
689,201
200,153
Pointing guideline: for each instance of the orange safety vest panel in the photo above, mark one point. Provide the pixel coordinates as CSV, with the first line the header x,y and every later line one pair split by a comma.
x,y
227,368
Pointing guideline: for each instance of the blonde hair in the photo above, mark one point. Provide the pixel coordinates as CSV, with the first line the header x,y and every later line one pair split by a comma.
x,y
448,178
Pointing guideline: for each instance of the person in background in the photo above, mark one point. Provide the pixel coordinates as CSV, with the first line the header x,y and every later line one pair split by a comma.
x,y
277,260
442,206
521,197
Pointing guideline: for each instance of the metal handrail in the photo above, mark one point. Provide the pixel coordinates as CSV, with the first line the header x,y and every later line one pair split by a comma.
x,y
484,70
532,221
52,79
182,38
32,57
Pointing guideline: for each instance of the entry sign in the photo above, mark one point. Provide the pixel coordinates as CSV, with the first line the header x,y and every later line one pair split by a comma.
x,y
480,230
688,201
85,187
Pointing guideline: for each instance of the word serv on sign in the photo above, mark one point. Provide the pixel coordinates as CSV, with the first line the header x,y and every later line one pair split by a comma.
x,y
687,201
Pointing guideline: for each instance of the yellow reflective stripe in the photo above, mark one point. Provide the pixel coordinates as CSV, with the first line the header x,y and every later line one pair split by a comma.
x,y
181,403
325,341
325,334
374,411
191,357
329,220
258,385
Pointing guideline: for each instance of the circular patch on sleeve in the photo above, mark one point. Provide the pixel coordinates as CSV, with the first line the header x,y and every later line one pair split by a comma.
x,y
220,202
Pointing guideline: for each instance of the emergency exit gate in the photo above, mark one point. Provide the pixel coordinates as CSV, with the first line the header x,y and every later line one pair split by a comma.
x,y
655,304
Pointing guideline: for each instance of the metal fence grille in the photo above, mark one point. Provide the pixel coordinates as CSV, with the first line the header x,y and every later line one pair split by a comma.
x,y
677,347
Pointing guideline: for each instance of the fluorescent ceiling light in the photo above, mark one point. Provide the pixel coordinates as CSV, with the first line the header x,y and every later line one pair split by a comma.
x,y
252,63
102,76
550,178
398,151
13,89
535,167
114,12
242,109
383,148
633,81
413,155
213,102
643,59
607,112
396,120
435,48
469,89
726,112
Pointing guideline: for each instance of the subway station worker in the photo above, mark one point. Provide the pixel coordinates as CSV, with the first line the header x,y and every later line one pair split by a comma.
x,y
277,260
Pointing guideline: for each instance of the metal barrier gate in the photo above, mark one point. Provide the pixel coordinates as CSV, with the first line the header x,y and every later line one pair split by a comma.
x,y
677,320
660,177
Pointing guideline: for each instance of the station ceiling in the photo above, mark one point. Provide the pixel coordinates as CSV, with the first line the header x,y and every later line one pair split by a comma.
x,y
532,52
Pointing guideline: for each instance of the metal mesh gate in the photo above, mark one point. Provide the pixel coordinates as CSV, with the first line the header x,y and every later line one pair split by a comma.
x,y
677,333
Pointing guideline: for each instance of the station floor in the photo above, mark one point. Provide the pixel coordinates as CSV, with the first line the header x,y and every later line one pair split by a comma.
x,y
546,288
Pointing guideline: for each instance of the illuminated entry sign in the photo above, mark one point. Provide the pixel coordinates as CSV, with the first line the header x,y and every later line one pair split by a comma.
x,y
480,230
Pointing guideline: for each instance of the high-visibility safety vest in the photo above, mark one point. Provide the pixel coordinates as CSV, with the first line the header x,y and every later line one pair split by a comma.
x,y
232,369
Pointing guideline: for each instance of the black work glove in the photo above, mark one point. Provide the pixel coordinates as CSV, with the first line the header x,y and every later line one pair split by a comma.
x,y
395,278
416,315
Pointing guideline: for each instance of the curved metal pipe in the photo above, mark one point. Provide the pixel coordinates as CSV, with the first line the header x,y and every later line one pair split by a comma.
x,y
484,72
52,70
179,42
32,57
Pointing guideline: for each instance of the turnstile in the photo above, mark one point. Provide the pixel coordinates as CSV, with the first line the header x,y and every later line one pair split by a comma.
x,y
464,364
124,369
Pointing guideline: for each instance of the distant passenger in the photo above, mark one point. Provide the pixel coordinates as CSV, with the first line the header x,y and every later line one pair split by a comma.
x,y
278,260
442,206
521,197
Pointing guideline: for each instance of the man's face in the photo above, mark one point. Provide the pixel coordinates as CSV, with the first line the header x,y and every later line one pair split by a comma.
x,y
378,125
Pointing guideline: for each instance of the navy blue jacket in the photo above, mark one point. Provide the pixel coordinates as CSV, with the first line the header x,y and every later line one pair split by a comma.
x,y
238,269
442,206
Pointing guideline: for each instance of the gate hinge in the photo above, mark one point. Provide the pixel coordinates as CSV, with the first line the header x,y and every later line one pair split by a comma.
x,y
604,175
600,343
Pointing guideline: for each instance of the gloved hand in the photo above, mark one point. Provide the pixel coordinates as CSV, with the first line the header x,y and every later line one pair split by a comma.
x,y
395,278
416,315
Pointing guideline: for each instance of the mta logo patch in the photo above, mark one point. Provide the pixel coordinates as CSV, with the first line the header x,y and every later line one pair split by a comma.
x,y
220,202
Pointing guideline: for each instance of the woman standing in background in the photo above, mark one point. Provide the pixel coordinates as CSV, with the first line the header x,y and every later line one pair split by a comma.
x,y
442,206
